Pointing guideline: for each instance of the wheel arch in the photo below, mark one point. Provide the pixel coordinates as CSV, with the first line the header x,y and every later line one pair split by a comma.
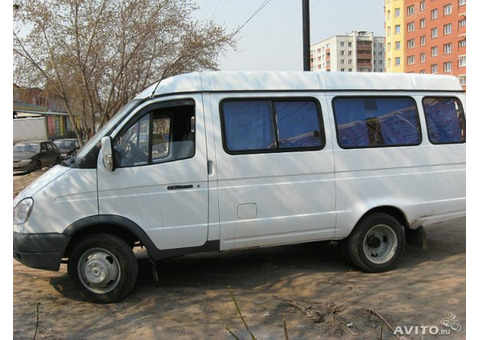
x,y
122,227
393,211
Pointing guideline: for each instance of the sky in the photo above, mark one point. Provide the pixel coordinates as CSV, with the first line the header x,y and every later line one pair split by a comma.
x,y
272,39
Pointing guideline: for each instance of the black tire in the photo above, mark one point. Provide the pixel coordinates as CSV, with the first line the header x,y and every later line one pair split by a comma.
x,y
103,267
376,244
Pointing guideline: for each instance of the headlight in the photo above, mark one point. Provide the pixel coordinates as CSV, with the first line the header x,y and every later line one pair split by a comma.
x,y
22,211
26,161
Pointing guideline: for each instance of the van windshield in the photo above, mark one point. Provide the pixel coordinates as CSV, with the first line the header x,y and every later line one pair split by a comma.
x,y
90,149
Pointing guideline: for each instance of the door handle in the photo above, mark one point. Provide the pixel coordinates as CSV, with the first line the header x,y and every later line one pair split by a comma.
x,y
210,168
180,187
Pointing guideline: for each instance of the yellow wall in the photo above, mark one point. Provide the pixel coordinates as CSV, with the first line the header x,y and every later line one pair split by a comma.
x,y
395,40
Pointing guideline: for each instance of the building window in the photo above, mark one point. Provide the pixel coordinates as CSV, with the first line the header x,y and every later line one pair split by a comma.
x,y
422,23
462,43
423,57
447,67
422,6
447,29
433,14
447,9
397,29
462,23
434,33
411,60
462,61
397,12
397,45
411,27
398,61
447,48
462,2
434,69
411,43
411,10
423,41
434,50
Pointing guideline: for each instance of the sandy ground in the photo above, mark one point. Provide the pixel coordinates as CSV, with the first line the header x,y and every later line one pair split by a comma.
x,y
301,291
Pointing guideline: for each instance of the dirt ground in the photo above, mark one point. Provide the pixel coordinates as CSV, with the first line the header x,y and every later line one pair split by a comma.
x,y
301,292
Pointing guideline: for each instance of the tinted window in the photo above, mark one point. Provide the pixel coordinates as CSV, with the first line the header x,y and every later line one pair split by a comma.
x,y
271,125
248,125
445,120
376,121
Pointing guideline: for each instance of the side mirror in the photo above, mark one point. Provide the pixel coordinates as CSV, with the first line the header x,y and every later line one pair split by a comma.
x,y
107,153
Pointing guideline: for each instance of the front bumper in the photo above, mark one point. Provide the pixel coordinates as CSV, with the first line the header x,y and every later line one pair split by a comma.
x,y
41,251
22,166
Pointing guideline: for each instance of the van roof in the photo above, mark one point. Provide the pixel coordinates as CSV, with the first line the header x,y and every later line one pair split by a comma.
x,y
220,81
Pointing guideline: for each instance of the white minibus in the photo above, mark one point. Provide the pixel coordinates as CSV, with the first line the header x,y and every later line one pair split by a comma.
x,y
217,161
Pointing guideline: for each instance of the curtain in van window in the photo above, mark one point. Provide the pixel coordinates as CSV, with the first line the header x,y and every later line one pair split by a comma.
x,y
298,124
248,125
445,120
271,125
376,121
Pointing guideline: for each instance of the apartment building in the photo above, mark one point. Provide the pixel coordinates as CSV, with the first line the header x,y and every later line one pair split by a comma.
x,y
394,36
426,36
358,51
436,37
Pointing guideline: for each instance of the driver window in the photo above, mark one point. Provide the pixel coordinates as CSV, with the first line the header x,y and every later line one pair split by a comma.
x,y
131,148
161,135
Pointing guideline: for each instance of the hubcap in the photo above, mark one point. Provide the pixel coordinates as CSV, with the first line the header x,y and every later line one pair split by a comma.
x,y
99,270
380,244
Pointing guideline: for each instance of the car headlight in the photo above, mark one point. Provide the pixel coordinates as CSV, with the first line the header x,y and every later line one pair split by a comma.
x,y
22,211
26,160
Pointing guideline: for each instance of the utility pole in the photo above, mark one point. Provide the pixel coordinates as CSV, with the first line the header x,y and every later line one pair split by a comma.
x,y
306,35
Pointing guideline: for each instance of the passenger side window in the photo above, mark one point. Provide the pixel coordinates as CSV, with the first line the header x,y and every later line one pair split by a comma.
x,y
363,122
268,125
445,120
161,135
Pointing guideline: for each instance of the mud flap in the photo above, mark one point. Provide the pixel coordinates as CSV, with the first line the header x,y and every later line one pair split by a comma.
x,y
417,237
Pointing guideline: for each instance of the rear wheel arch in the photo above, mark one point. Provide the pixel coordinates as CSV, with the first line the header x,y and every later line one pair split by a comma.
x,y
394,212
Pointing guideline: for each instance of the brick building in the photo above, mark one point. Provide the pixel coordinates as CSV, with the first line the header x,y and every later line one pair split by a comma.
x,y
432,37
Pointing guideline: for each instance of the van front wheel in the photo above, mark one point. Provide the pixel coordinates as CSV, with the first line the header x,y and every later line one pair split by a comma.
x,y
103,267
376,244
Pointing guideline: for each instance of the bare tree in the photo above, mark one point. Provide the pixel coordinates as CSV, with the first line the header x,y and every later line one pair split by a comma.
x,y
97,54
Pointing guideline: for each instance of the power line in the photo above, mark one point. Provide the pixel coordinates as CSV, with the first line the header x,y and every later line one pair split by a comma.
x,y
262,6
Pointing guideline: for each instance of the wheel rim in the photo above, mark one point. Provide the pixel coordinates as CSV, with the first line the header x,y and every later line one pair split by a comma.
x,y
380,244
99,270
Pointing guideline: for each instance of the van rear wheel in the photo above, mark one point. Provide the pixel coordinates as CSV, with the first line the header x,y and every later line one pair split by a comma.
x,y
376,244
103,267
